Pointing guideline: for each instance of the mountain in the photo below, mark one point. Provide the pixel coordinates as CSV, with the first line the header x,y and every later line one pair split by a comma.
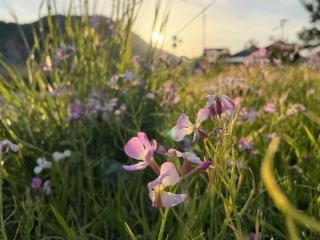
x,y
16,40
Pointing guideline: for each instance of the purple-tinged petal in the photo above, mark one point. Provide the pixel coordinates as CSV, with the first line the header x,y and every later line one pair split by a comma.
x,y
169,199
154,183
135,149
170,174
149,155
144,139
204,165
179,133
227,103
184,122
13,147
191,157
135,167
46,187
202,115
36,183
153,145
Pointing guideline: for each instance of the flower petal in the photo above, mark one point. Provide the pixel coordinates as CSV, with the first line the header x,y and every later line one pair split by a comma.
x,y
170,174
13,147
179,133
169,199
37,170
174,152
152,184
144,139
135,149
191,157
202,115
183,121
135,167
227,103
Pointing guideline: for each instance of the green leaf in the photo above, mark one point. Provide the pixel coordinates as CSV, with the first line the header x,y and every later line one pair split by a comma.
x,y
71,234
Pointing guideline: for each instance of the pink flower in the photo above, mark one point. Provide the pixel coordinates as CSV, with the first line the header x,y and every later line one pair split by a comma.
x,y
269,108
6,145
168,177
218,104
141,149
245,144
184,127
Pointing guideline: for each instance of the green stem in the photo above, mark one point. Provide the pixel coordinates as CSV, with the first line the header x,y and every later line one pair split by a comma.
x,y
163,223
3,230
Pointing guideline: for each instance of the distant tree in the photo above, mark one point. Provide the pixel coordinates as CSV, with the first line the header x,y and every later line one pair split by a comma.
x,y
311,36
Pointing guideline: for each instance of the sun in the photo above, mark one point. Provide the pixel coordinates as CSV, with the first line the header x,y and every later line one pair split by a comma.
x,y
157,37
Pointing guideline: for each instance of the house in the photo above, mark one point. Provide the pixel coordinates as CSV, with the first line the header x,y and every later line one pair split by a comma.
x,y
242,55
212,55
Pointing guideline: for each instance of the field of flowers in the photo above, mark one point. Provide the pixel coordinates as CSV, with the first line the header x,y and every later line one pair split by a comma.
x,y
99,144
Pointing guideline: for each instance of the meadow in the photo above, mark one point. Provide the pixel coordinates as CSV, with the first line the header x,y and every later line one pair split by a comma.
x,y
229,152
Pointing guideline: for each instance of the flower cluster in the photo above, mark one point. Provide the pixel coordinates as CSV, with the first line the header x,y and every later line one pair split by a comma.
x,y
257,58
249,115
235,86
37,183
97,105
62,54
215,107
141,149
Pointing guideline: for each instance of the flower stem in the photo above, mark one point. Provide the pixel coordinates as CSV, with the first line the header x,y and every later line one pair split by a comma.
x,y
163,223
3,230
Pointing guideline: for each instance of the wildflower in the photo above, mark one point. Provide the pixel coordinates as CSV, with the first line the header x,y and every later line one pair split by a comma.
x,y
36,183
218,104
63,53
184,127
269,108
76,111
141,149
113,82
258,57
121,110
189,158
248,115
245,144
46,187
6,145
295,108
58,91
42,164
168,177
58,156
186,155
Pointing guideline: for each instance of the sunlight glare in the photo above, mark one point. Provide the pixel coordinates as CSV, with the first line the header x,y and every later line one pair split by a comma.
x,y
157,37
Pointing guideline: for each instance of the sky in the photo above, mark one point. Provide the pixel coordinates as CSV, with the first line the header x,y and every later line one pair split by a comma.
x,y
228,23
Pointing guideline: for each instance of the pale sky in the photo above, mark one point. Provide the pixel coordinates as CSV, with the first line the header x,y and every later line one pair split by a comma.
x,y
229,23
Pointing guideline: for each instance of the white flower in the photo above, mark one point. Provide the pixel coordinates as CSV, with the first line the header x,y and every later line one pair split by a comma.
x,y
42,164
58,156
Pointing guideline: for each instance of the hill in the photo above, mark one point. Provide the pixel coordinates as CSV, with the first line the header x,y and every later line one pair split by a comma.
x,y
17,39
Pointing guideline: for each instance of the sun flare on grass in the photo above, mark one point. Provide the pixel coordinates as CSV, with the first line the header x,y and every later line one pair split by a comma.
x,y
157,37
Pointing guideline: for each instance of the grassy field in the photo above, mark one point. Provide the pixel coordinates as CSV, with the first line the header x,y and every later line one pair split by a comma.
x,y
77,115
